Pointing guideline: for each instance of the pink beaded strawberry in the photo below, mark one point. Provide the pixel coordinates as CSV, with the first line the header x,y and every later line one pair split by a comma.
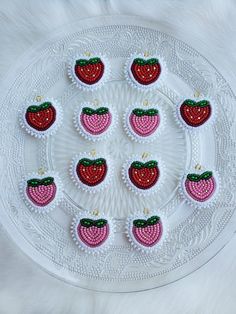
x,y
147,232
93,233
144,122
41,192
200,187
95,121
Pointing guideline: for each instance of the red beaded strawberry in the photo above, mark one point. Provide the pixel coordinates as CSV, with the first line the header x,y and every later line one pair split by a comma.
x,y
147,71
147,232
95,121
144,122
195,113
200,187
41,191
91,172
89,71
144,175
93,233
41,117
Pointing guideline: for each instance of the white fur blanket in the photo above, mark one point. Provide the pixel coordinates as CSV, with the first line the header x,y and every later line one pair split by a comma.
x,y
207,25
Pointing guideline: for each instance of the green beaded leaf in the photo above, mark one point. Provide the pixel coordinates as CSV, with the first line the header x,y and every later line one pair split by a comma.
x,y
99,161
102,110
197,177
100,223
140,165
153,220
192,103
86,162
35,108
141,61
86,222
89,162
47,181
151,164
36,182
194,177
141,112
206,175
88,111
137,164
140,223
84,62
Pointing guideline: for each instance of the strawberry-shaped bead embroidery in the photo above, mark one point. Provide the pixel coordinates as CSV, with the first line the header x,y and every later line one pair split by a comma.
x,y
94,123
41,119
143,177
144,72
200,188
146,232
41,192
89,72
92,235
194,114
144,122
90,174
143,125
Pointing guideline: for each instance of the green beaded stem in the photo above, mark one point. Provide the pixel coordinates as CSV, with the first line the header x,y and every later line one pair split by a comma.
x,y
84,62
149,164
193,103
90,111
87,222
197,177
142,223
41,107
141,61
89,162
36,182
142,112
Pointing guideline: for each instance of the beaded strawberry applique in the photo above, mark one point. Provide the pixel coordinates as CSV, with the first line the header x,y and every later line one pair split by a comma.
x,y
142,177
146,232
200,188
94,123
90,174
41,119
92,235
89,73
143,125
144,72
42,193
194,114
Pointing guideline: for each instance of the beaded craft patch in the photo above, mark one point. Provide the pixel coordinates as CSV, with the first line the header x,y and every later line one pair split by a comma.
x,y
41,119
93,234
143,177
94,123
195,114
89,73
145,72
146,232
42,192
142,124
200,188
90,174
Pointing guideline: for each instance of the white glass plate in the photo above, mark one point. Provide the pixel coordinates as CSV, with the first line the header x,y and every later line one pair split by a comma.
x,y
196,235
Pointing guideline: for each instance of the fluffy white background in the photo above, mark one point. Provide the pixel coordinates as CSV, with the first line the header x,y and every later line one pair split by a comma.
x,y
209,26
